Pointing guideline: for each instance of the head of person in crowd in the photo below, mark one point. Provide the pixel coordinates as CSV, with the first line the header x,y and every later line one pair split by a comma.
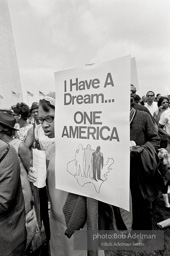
x,y
132,94
150,97
143,100
137,98
47,114
21,113
158,95
7,125
168,96
163,102
34,111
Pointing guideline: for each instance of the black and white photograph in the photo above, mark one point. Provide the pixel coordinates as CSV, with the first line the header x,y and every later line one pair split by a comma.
x,y
84,128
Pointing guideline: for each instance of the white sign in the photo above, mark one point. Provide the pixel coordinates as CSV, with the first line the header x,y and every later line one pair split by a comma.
x,y
92,131
39,164
134,75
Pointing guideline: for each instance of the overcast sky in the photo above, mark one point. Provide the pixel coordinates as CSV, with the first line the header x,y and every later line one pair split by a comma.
x,y
52,35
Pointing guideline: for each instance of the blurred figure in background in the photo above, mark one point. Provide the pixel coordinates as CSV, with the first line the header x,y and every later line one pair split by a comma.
x,y
137,98
143,100
136,105
150,104
21,113
163,104
34,113
158,95
164,124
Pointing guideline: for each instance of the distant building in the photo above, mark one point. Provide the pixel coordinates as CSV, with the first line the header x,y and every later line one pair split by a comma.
x,y
10,86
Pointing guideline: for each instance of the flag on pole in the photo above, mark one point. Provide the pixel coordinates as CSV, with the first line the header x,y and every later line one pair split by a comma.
x,y
41,93
30,94
15,94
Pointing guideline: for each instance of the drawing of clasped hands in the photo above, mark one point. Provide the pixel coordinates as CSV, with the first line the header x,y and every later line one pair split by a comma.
x,y
32,174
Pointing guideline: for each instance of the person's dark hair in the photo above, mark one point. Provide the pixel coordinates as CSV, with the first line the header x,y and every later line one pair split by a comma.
x,y
21,109
7,130
157,95
137,98
161,99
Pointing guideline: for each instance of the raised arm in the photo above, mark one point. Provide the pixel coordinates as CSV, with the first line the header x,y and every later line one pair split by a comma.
x,y
25,155
30,137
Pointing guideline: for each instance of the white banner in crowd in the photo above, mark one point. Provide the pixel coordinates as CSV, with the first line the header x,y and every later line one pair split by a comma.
x,y
92,131
134,75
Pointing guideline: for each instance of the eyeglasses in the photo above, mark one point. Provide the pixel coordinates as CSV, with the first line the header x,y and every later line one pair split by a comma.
x,y
48,119
150,95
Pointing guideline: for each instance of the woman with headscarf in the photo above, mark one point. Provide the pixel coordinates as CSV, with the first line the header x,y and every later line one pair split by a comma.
x,y
60,244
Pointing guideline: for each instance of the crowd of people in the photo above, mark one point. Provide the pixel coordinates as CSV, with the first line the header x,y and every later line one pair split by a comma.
x,y
33,220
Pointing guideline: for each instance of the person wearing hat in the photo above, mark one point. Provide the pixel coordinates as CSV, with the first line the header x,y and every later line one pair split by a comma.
x,y
37,139
12,212
7,120
7,132
6,110
59,242
34,112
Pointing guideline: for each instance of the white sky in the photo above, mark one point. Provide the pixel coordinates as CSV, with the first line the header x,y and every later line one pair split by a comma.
x,y
52,35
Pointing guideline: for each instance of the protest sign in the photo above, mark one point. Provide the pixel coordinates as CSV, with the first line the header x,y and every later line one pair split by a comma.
x,y
134,75
92,131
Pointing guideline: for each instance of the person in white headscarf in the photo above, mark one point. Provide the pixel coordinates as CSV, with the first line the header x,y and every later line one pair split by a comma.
x,y
60,244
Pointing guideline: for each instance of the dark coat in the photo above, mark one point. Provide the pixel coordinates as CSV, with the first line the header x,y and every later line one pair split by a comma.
x,y
142,130
12,211
145,167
